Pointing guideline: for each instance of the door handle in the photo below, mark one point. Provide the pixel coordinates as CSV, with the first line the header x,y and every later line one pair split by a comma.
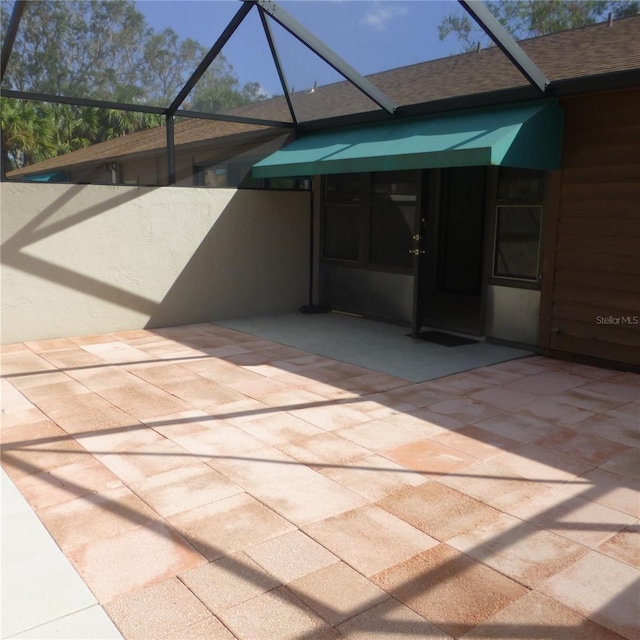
x,y
417,252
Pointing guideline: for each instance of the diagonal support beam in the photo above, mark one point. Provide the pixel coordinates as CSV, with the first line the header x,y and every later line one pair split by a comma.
x,y
209,58
320,49
12,30
276,60
503,40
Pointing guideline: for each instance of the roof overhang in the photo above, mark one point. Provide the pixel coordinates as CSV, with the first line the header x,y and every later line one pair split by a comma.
x,y
525,136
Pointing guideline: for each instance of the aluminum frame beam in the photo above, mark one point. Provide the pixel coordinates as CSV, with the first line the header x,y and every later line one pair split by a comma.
x,y
12,30
171,151
316,45
209,58
140,108
276,59
503,40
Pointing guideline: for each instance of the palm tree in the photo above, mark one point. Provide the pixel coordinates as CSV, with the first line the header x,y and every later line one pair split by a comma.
x,y
28,133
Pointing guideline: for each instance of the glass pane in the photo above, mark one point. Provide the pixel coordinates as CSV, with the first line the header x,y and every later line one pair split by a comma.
x,y
517,242
399,186
341,237
391,227
521,185
346,187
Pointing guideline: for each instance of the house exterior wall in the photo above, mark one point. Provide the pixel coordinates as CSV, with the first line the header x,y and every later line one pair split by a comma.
x,y
79,260
591,275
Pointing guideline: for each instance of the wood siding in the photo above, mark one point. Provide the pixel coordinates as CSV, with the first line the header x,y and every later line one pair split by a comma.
x,y
591,290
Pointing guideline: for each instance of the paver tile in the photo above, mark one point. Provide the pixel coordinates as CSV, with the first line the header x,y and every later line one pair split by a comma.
x,y
555,411
369,538
21,417
208,629
274,427
626,464
228,581
145,460
98,515
582,446
504,398
437,510
611,600
624,546
536,463
607,488
184,488
332,417
477,442
465,409
429,457
373,477
327,448
276,614
228,525
378,435
391,620
537,617
587,399
217,439
66,483
337,592
622,388
614,425
151,553
548,383
285,485
158,611
449,589
493,485
291,556
517,549
517,427
580,520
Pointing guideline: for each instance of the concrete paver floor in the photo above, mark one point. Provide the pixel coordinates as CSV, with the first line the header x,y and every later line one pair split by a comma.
x,y
209,483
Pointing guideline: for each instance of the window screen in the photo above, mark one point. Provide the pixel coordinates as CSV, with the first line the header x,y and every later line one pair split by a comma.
x,y
341,232
517,242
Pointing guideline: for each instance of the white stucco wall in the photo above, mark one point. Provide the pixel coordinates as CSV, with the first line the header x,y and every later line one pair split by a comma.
x,y
84,259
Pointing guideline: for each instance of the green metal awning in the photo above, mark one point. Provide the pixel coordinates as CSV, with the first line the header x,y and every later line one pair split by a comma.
x,y
525,136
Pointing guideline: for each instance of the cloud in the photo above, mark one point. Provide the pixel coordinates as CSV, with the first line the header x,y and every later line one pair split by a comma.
x,y
379,16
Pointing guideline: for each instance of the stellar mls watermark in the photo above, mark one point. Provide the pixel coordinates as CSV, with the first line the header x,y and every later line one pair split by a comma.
x,y
618,320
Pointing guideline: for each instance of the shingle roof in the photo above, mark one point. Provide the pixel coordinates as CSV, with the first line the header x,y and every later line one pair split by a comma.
x,y
586,52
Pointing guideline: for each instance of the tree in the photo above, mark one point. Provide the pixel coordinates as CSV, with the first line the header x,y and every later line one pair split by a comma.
x,y
28,133
100,49
530,18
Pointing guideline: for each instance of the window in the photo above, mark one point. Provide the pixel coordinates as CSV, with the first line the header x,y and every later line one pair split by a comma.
x,y
341,232
520,185
237,175
517,243
368,218
518,226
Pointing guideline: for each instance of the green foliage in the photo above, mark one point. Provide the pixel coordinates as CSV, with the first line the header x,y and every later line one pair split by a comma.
x,y
101,49
530,18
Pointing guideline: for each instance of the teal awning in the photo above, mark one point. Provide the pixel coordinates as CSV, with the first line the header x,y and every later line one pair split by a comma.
x,y
525,136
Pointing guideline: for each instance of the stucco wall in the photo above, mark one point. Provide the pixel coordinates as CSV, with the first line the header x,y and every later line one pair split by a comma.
x,y
79,260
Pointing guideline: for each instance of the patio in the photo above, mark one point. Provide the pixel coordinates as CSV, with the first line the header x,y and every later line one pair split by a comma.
x,y
211,482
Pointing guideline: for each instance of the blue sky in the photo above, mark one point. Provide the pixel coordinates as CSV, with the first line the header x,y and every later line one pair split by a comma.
x,y
370,35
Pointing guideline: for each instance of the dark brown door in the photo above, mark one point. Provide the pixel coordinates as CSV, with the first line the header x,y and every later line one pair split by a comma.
x,y
449,275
